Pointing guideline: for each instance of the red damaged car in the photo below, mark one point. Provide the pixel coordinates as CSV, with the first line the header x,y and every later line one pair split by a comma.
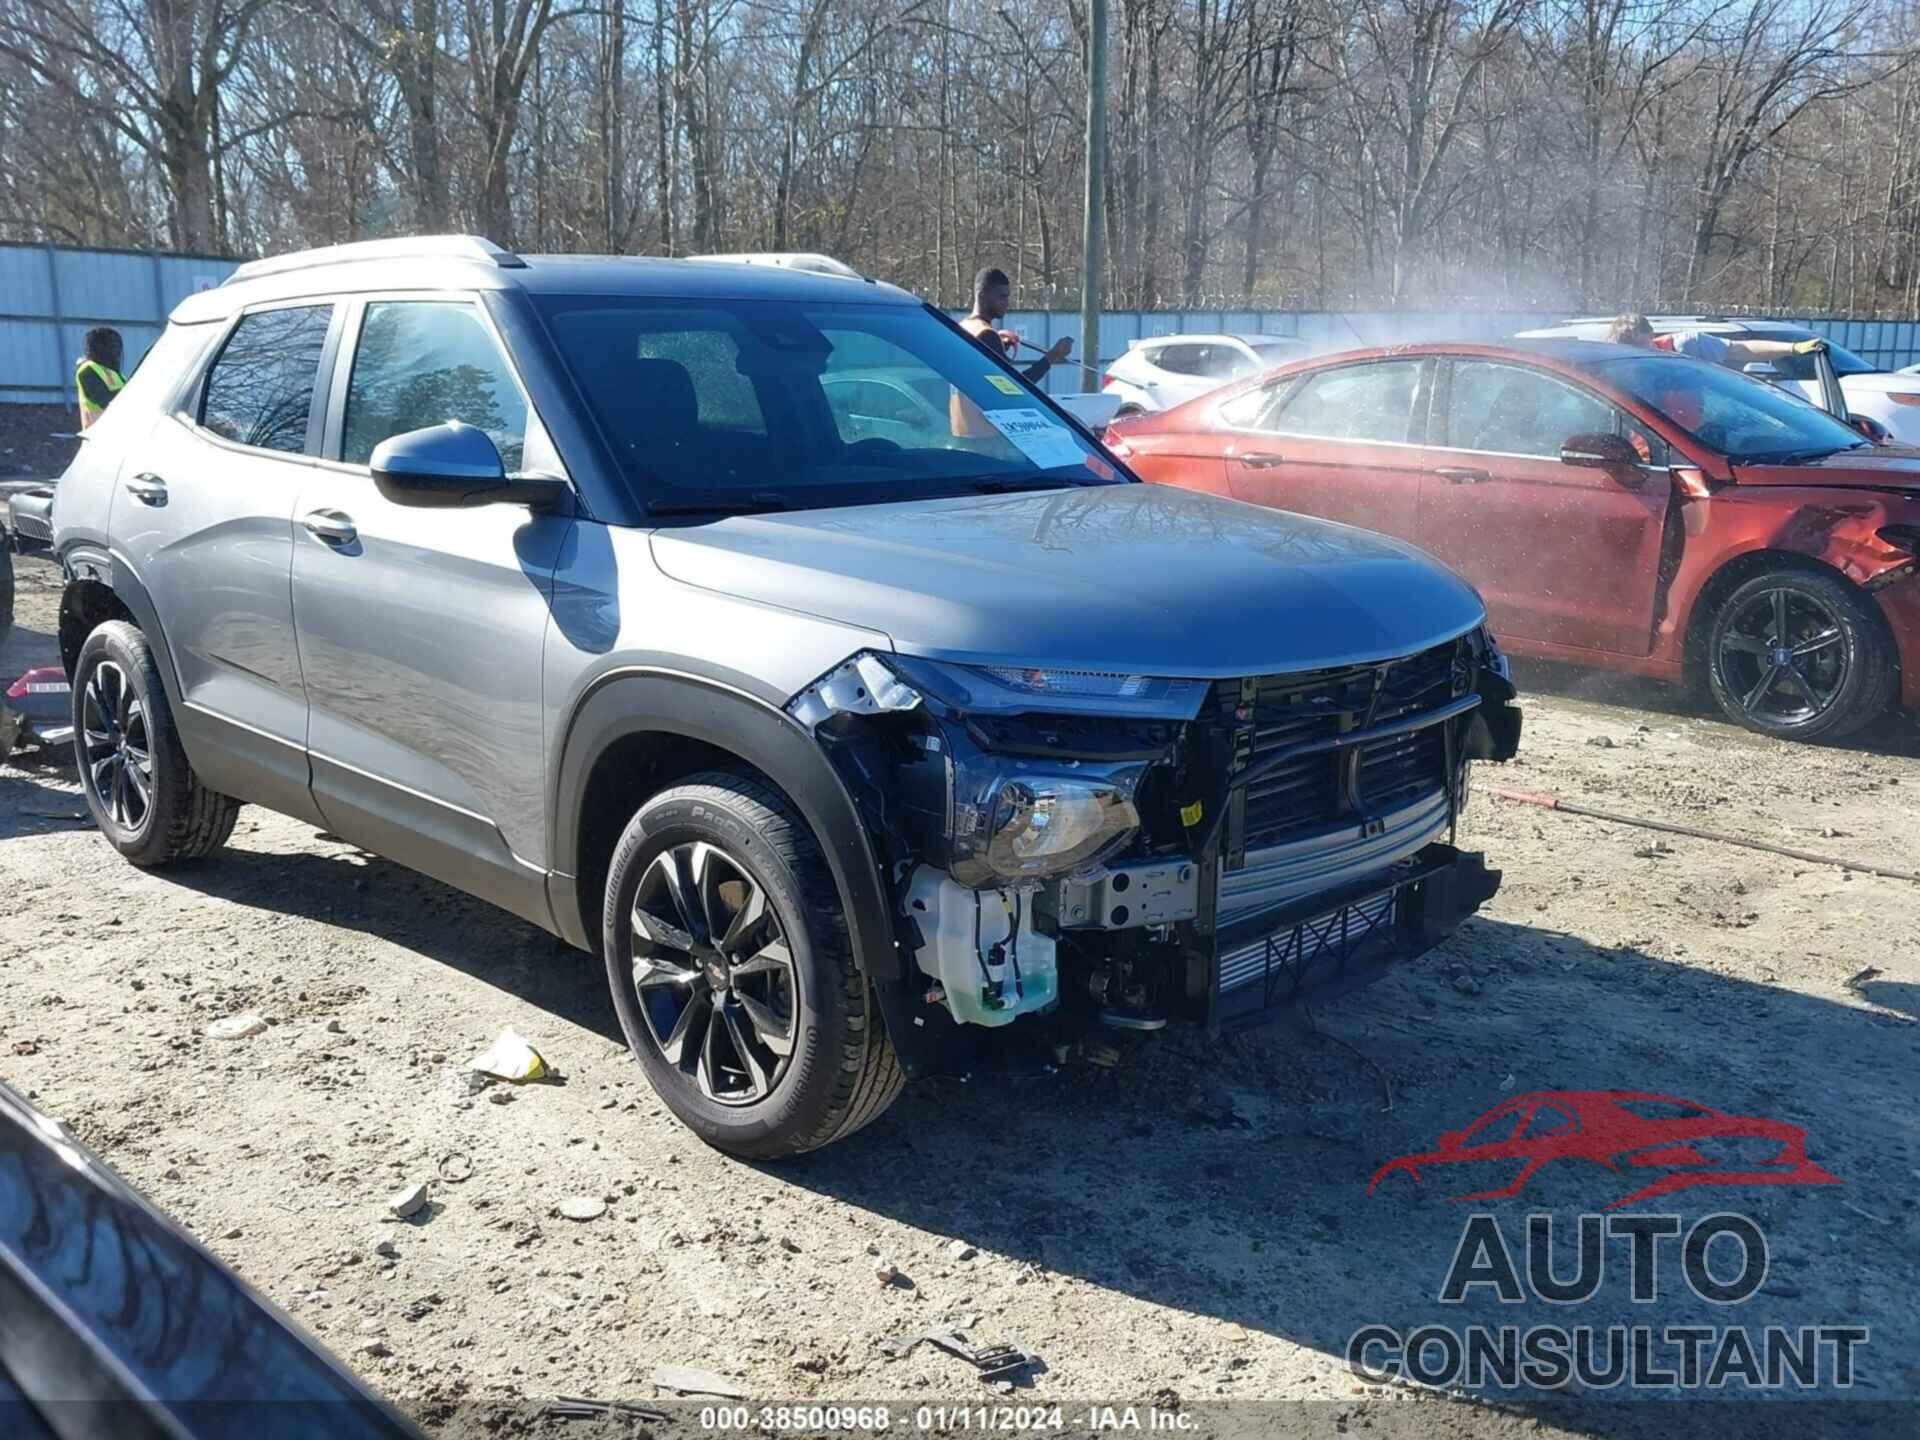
x,y
1617,507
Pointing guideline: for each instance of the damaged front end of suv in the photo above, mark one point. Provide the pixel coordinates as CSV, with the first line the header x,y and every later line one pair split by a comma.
x,y
1071,848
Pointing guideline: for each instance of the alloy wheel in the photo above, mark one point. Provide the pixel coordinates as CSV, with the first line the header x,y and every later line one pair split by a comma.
x,y
1783,657
118,750
714,974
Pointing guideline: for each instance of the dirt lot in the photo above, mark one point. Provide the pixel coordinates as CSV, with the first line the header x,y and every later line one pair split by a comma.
x,y
1141,1239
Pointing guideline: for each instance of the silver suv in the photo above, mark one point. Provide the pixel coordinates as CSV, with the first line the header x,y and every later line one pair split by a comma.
x,y
859,754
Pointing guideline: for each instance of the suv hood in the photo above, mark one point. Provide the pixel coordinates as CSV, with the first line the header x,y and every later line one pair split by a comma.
x,y
1140,579
1879,467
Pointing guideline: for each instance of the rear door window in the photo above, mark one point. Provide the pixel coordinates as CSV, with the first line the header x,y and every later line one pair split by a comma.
x,y
1182,359
1259,408
1355,402
260,390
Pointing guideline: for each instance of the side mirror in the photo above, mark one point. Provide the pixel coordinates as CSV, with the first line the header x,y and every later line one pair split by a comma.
x,y
1599,451
1871,428
453,466
1761,370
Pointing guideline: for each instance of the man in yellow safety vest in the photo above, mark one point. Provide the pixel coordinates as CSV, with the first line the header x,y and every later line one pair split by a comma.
x,y
97,379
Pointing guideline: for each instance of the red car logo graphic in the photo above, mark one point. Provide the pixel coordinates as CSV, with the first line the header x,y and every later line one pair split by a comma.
x,y
1624,1130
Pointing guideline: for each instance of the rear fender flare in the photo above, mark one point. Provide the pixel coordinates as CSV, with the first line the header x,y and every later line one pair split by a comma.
x,y
113,571
645,700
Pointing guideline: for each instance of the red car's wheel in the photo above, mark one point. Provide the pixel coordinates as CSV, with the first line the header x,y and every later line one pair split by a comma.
x,y
1800,655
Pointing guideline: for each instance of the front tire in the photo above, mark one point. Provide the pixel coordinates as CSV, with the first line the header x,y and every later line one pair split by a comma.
x,y
733,976
139,787
1800,655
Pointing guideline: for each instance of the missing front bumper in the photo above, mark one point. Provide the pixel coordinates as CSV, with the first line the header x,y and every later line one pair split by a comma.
x,y
1332,942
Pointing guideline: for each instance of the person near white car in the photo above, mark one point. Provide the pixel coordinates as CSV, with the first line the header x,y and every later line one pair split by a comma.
x,y
992,295
1632,329
1888,398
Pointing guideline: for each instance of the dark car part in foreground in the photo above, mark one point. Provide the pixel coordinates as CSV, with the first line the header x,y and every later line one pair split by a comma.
x,y
115,1324
859,752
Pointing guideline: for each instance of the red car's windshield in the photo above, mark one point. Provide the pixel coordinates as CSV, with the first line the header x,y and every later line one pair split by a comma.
x,y
1746,420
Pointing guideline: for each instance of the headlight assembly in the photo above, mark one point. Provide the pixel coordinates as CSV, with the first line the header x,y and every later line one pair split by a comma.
x,y
1018,824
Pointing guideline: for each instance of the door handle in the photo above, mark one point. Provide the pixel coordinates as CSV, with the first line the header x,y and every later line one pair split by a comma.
x,y
148,488
1261,459
331,526
1462,475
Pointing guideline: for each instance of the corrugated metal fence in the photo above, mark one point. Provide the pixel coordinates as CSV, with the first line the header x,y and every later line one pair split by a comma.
x,y
50,296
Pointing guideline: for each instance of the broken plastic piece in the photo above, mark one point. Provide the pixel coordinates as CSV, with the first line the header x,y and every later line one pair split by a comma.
x,y
994,1362
580,1407
862,686
509,1058
688,1380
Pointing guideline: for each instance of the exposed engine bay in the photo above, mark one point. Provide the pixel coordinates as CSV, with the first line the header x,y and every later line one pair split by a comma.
x,y
1075,848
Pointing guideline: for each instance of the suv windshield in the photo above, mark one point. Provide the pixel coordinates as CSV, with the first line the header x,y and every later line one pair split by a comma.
x,y
1740,417
768,404
1801,367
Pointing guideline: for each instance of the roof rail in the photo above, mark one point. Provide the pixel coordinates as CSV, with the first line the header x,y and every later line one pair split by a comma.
x,y
418,247
813,264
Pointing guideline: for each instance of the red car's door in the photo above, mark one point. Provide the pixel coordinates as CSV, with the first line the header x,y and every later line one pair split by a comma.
x,y
1338,443
1564,555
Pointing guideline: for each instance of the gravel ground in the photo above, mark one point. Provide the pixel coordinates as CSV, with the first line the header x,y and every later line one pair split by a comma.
x,y
1189,1227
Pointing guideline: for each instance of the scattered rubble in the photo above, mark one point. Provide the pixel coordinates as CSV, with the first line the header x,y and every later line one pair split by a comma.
x,y
576,1407
687,1380
999,1365
236,1027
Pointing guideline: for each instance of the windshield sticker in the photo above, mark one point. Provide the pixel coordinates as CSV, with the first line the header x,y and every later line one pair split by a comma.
x,y
1042,441
1003,385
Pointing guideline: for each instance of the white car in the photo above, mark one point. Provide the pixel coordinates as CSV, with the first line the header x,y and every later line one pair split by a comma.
x,y
1891,397
1162,371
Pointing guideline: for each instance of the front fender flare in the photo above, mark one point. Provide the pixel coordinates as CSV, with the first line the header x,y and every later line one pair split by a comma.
x,y
644,700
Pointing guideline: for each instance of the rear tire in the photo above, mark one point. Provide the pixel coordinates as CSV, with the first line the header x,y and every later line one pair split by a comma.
x,y
733,976
139,787
1800,655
